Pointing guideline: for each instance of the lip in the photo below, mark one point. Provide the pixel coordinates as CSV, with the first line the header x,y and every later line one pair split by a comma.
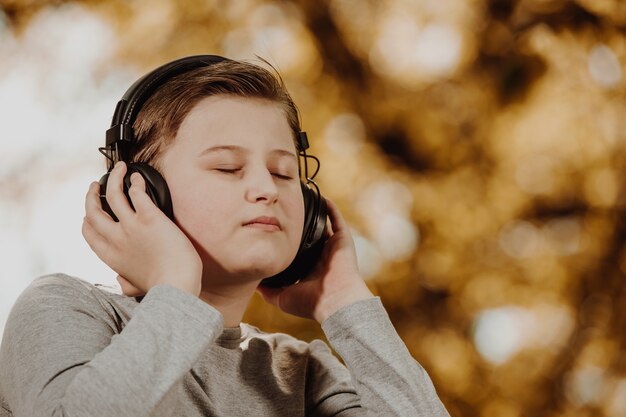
x,y
264,222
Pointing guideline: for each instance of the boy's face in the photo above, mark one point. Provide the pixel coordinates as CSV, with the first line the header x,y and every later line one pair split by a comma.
x,y
227,166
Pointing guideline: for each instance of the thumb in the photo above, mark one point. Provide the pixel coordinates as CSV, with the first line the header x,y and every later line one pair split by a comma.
x,y
129,289
137,192
269,294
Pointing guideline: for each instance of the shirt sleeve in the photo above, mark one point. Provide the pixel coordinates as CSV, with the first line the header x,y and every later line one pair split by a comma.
x,y
383,379
61,355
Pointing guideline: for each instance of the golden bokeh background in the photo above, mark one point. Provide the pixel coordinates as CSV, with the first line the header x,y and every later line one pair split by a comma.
x,y
476,147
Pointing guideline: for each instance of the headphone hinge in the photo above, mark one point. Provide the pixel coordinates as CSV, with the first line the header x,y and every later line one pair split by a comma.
x,y
303,141
117,133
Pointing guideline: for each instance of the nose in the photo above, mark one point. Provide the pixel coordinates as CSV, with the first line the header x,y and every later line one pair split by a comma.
x,y
261,187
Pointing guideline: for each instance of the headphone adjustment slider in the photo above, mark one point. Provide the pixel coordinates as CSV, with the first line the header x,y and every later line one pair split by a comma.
x,y
303,141
116,133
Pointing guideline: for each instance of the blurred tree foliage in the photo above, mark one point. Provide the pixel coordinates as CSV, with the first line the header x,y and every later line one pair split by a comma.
x,y
477,148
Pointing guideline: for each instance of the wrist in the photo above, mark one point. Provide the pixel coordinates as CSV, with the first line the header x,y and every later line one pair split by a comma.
x,y
339,299
193,289
189,281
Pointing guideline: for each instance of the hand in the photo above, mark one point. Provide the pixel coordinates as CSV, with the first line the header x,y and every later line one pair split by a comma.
x,y
334,283
129,289
145,247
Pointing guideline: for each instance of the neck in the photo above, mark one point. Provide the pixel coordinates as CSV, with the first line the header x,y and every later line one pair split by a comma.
x,y
230,300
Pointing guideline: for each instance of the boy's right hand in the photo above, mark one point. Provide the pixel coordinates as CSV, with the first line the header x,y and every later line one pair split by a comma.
x,y
145,247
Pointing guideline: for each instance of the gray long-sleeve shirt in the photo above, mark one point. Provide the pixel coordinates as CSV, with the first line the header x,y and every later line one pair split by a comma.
x,y
71,348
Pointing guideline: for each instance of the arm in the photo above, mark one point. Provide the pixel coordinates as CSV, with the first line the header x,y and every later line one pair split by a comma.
x,y
383,377
60,355
386,378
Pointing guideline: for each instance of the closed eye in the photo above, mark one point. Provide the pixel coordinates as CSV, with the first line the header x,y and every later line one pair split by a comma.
x,y
236,170
282,177
228,171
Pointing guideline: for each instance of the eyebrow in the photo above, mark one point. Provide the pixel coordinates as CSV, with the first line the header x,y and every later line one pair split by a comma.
x,y
241,150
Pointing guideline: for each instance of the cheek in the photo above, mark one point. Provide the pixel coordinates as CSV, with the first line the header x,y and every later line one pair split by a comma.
x,y
205,225
197,209
201,213
295,213
208,213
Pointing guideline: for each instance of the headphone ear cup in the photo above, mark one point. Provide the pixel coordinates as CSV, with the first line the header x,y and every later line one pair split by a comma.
x,y
311,244
156,188
315,215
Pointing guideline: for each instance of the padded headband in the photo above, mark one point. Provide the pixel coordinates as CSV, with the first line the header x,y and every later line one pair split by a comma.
x,y
120,136
128,107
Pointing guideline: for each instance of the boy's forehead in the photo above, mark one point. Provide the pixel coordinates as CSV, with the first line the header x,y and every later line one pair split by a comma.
x,y
217,149
234,124
225,103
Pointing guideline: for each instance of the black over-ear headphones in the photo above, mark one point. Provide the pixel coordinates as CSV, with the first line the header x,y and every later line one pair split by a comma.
x,y
120,140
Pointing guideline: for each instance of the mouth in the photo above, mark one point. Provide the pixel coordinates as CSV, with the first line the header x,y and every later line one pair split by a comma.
x,y
264,223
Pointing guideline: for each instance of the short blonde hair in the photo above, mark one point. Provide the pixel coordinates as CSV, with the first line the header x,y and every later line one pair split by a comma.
x,y
163,112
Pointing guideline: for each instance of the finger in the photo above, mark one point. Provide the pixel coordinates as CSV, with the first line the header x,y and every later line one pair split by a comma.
x,y
329,228
128,288
336,219
97,217
115,192
95,240
141,200
269,294
92,199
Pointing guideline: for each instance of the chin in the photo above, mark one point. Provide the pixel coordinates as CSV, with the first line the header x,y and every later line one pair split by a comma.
x,y
260,270
249,260
259,266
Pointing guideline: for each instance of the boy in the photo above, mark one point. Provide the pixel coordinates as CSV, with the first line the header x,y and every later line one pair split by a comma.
x,y
222,136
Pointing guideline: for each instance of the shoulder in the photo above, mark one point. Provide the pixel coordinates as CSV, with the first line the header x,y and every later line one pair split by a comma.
x,y
59,285
54,284
61,280
53,306
58,293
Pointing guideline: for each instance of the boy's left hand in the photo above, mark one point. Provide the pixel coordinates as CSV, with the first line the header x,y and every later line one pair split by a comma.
x,y
334,283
